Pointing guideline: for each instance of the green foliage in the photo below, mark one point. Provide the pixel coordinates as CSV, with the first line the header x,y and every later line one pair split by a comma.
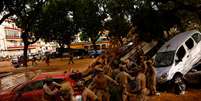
x,y
59,20
58,23
28,20
119,23
83,37
188,11
118,27
152,17
28,14
87,18
9,8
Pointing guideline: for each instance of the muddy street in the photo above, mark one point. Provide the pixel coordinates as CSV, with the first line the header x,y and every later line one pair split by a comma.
x,y
60,65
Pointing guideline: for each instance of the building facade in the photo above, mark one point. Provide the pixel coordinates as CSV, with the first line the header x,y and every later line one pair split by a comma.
x,y
101,44
11,43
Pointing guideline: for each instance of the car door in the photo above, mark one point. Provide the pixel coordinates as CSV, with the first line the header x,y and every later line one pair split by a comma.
x,y
31,91
182,57
197,37
191,48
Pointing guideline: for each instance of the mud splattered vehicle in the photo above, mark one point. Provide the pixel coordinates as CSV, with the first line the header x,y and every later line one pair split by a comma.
x,y
177,56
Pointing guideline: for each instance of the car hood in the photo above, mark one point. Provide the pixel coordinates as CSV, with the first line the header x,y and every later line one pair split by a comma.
x,y
162,70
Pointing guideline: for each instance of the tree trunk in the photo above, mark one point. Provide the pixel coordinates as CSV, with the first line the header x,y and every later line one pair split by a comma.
x,y
94,45
25,53
68,46
61,50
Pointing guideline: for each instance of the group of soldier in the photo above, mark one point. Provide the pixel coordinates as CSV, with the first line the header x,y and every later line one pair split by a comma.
x,y
135,77
107,69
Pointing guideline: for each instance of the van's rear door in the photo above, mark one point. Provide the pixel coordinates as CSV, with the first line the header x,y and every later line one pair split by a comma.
x,y
197,52
192,51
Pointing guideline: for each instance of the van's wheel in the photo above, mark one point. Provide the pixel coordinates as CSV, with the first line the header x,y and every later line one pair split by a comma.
x,y
179,84
178,78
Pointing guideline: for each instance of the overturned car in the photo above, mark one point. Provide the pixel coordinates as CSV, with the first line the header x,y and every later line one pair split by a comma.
x,y
178,56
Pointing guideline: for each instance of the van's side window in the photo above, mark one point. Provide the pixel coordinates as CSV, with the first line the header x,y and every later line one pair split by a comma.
x,y
189,43
181,52
196,37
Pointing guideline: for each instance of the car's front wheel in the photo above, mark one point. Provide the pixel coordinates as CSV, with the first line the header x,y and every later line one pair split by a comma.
x,y
179,84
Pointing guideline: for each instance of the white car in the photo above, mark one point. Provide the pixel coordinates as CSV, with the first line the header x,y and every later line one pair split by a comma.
x,y
177,56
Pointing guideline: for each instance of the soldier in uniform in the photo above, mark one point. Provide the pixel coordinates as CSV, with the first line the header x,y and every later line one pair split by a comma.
x,y
123,78
151,77
100,84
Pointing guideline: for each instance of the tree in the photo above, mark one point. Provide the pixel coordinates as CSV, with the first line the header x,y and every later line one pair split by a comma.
x,y
28,19
83,36
27,14
50,20
58,23
152,17
188,12
88,19
118,28
7,8
47,19
118,23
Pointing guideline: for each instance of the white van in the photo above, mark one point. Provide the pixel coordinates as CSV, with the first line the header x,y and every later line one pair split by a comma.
x,y
177,56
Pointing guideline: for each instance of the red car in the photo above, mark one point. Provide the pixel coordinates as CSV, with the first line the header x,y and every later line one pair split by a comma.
x,y
33,89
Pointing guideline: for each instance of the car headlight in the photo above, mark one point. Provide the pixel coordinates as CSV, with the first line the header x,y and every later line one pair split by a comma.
x,y
164,76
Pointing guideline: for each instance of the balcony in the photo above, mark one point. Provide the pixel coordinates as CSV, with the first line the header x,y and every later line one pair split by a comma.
x,y
8,37
20,47
12,28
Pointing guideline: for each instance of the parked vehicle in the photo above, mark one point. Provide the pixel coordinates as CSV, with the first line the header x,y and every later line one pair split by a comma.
x,y
17,61
33,89
79,53
95,53
4,58
177,56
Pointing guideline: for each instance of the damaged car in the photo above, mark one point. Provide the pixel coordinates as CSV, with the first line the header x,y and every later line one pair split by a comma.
x,y
177,56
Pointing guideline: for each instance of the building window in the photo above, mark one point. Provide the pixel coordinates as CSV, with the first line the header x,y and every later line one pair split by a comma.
x,y
12,34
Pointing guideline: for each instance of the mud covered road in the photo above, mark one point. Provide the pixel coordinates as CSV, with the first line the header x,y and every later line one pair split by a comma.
x,y
192,94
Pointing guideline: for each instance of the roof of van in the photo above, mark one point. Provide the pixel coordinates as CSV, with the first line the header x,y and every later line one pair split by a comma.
x,y
176,41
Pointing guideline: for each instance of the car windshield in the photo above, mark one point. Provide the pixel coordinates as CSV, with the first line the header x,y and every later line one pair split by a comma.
x,y
164,58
